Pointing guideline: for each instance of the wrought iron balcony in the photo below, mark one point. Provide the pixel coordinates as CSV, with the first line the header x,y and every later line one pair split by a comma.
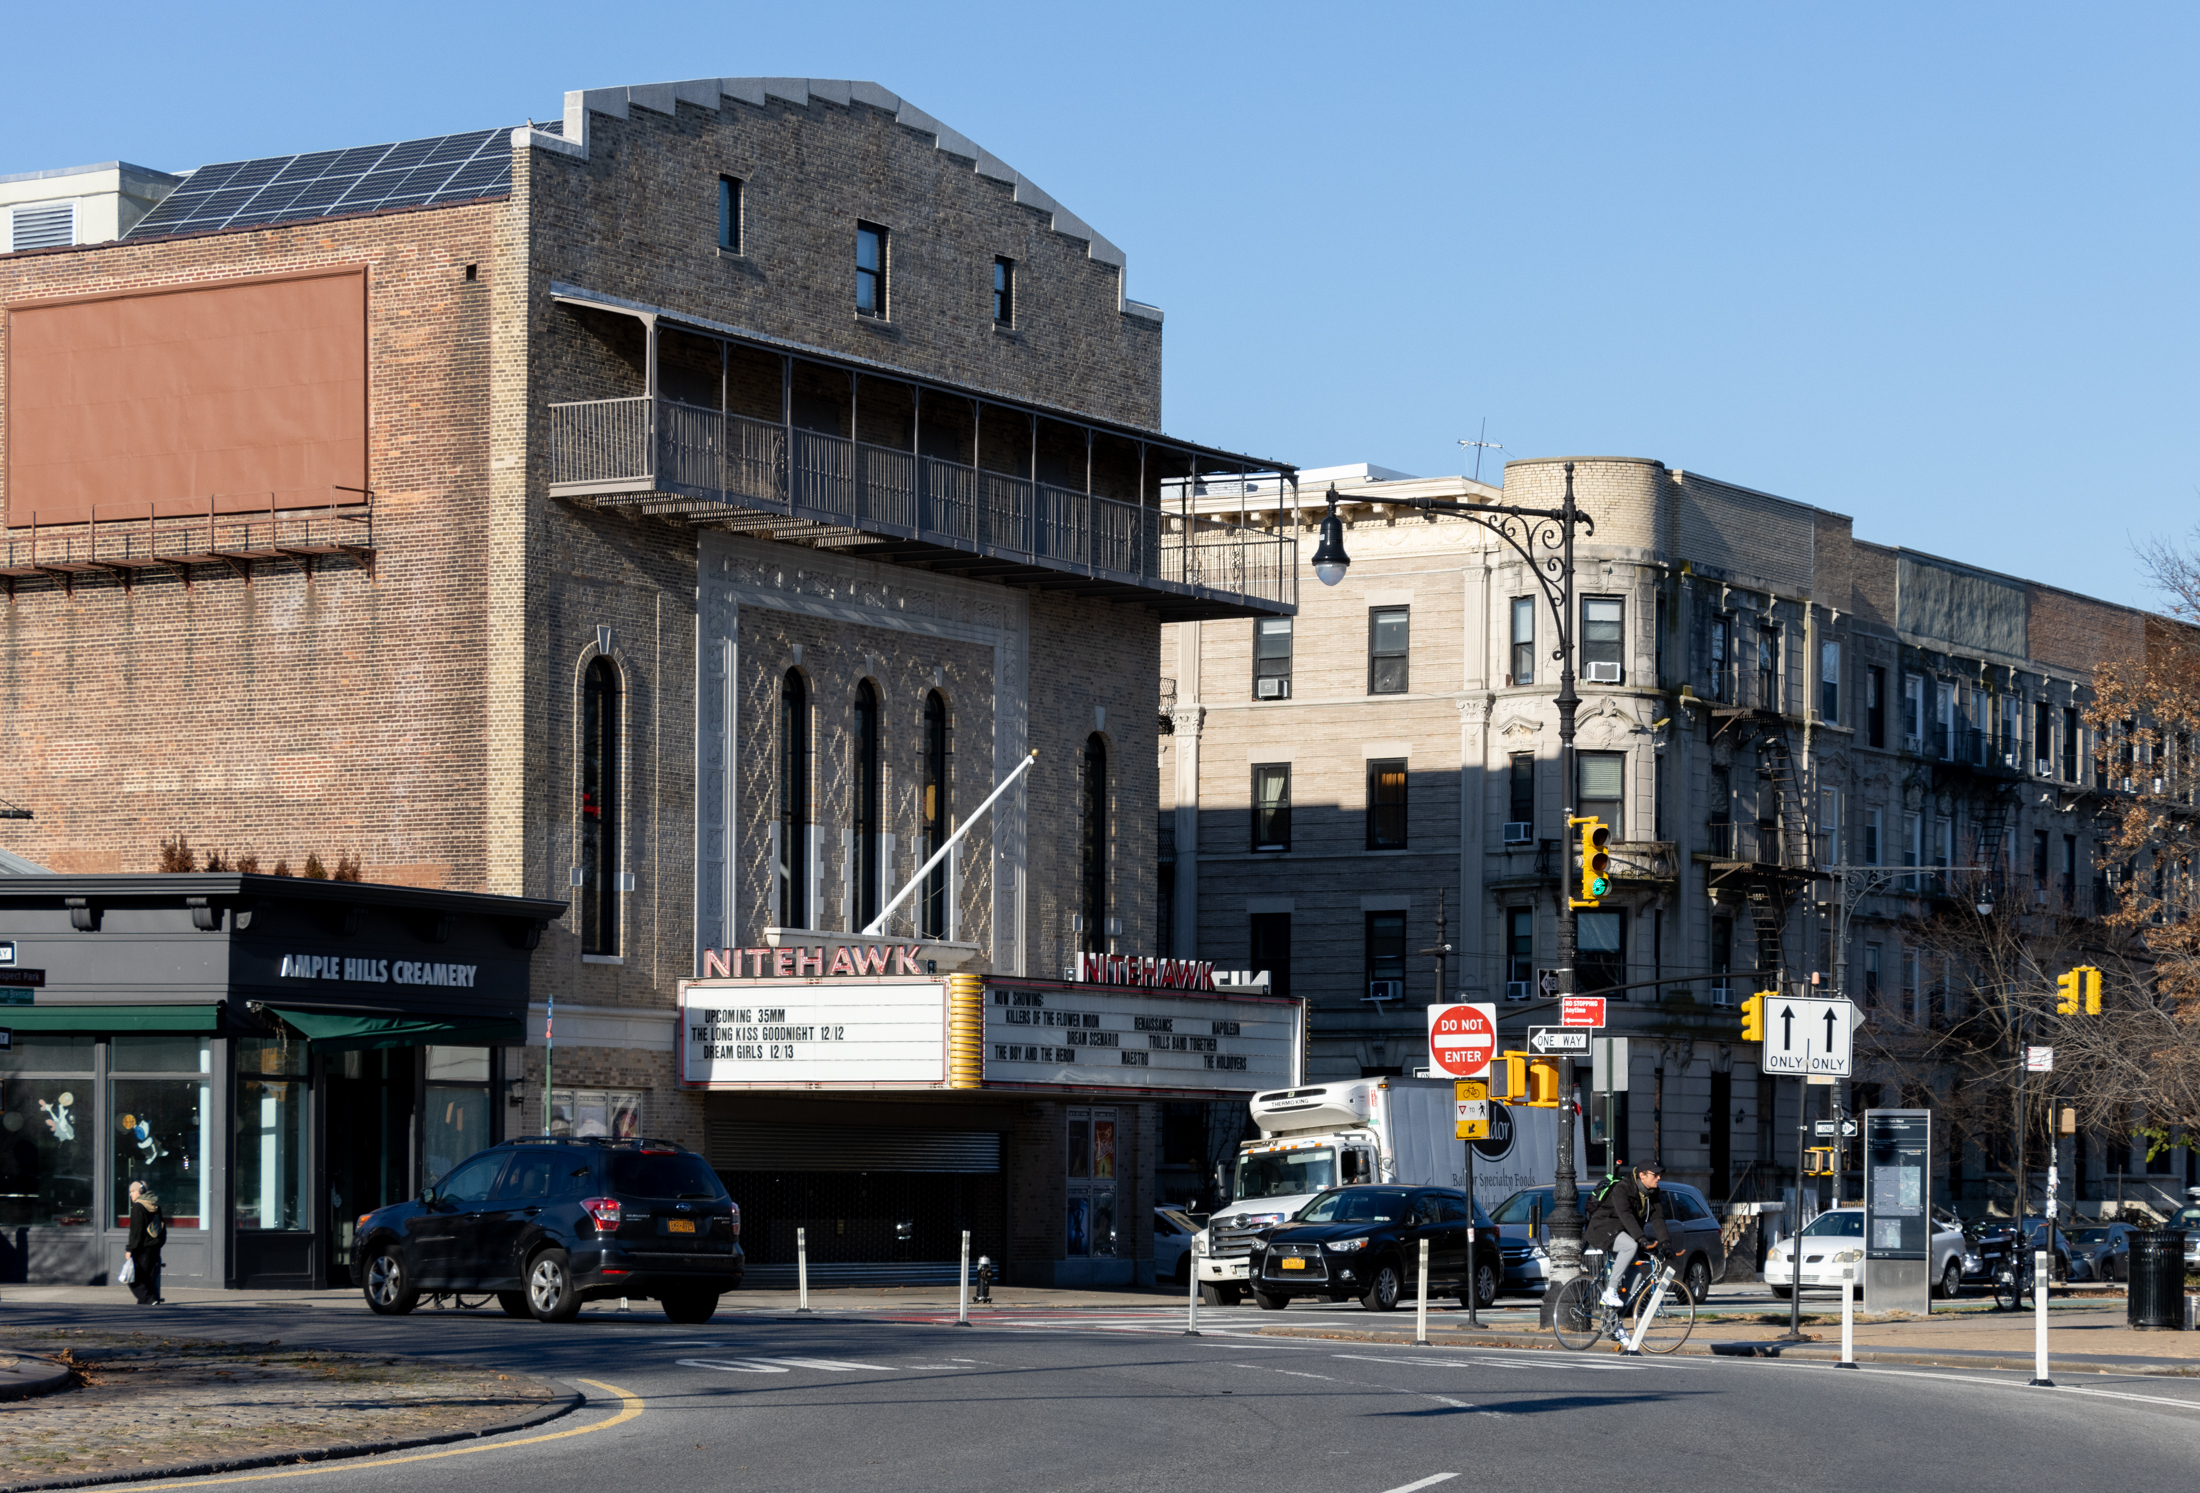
x,y
662,457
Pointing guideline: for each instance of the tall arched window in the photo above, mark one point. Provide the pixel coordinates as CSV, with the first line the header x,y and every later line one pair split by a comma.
x,y
1092,846
599,858
863,809
794,802
932,898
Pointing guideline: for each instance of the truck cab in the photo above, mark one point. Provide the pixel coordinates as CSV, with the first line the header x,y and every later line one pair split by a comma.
x,y
1312,1139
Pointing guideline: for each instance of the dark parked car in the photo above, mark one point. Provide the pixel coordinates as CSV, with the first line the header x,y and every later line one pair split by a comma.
x,y
1689,1221
1366,1242
2101,1253
546,1223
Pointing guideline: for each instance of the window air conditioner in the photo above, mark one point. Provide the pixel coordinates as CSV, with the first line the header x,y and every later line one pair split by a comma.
x,y
2043,767
1272,687
1604,673
1520,832
1386,990
1518,990
1722,994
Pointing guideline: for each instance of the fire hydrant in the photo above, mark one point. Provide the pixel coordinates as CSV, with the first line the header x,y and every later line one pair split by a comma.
x,y
985,1279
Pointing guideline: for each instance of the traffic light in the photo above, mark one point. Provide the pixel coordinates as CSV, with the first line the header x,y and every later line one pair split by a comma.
x,y
1596,861
2066,992
1753,1017
2092,989
1818,1162
1543,1083
1509,1076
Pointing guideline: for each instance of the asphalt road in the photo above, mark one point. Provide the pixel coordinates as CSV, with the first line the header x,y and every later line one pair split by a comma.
x,y
1091,1400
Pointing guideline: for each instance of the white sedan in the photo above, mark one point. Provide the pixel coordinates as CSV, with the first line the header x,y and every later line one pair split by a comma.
x,y
1834,1241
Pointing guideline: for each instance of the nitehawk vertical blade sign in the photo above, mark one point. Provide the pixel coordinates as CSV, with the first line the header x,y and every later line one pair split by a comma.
x,y
1807,1036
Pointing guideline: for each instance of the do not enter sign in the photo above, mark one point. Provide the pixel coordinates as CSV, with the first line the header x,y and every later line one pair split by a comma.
x,y
1462,1039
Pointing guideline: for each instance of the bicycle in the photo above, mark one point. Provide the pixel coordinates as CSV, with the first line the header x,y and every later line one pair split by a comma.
x,y
1581,1316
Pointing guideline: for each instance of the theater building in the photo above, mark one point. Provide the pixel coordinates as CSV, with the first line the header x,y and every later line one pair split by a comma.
x,y
688,512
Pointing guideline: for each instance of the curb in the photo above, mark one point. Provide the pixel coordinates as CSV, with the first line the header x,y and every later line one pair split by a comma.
x,y
1813,1352
564,1404
25,1389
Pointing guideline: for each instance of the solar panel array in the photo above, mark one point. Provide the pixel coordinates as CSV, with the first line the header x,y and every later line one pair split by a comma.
x,y
329,183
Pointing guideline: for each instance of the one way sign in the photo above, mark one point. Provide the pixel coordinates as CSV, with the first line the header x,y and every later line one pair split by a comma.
x,y
1807,1036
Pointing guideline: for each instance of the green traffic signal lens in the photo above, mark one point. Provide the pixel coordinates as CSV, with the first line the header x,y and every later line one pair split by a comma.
x,y
1599,887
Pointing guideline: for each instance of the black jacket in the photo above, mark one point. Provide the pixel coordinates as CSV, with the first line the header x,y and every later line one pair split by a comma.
x,y
148,1229
1630,1209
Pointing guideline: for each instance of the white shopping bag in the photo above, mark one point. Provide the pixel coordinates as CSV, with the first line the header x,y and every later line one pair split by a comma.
x,y
129,1269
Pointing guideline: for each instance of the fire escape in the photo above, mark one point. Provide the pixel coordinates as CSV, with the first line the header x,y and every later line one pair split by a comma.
x,y
1767,863
1986,773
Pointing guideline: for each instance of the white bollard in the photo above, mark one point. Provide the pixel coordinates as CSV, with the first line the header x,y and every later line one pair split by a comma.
x,y
802,1269
1191,1308
1848,1318
2039,1320
962,1297
1420,1309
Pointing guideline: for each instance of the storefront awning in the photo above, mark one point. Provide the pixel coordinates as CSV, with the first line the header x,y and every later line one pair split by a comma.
x,y
343,1031
110,1018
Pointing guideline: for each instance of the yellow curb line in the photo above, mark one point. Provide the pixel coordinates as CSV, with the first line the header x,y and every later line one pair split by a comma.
x,y
630,1407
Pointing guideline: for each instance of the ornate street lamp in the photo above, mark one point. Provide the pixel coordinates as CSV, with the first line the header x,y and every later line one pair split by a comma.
x,y
1544,538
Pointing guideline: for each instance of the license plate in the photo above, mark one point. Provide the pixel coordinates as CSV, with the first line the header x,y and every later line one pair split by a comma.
x,y
1294,1264
679,1225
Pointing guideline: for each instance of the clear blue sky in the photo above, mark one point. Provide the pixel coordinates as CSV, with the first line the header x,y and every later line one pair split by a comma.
x,y
1931,266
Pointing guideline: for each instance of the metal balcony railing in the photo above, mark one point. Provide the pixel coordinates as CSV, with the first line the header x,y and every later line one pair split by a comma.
x,y
659,446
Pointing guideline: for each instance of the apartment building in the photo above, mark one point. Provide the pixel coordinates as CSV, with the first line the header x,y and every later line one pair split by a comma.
x,y
1772,711
690,511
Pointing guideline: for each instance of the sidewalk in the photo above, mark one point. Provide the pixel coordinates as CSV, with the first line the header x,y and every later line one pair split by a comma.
x,y
147,1404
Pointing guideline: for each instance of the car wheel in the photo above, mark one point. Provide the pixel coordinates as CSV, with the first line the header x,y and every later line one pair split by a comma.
x,y
1268,1301
689,1306
1383,1289
1780,1293
1486,1277
1951,1280
1697,1277
1228,1295
389,1289
514,1303
550,1293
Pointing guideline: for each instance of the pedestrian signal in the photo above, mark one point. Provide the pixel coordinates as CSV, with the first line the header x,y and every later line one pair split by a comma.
x,y
2066,993
1543,1083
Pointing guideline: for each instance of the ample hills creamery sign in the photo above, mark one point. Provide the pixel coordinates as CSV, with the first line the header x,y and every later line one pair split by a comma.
x,y
773,1031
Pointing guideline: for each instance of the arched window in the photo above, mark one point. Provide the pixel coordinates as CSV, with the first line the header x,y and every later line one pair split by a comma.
x,y
932,898
794,802
1092,846
863,810
599,858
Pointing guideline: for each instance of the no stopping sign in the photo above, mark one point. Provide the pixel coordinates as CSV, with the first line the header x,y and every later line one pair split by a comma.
x,y
1462,1039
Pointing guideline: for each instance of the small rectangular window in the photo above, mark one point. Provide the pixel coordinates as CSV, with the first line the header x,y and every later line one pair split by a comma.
x,y
1601,790
2070,744
1386,804
1944,720
1913,840
1913,711
1272,806
1388,636
1722,961
1829,683
870,270
729,214
1871,837
1721,661
1523,790
1004,292
1523,640
1385,934
1871,974
1519,952
2043,738
1271,950
1600,960
2039,860
1603,632
1875,707
1272,658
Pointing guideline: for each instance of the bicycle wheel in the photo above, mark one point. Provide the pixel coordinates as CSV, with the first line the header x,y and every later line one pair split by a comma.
x,y
1675,1318
1576,1319
2006,1298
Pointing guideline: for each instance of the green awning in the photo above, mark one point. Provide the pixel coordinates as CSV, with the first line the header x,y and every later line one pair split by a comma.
x,y
346,1031
44,1018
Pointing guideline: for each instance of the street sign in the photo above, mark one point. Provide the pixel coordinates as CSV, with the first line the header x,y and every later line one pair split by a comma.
x,y
7,1039
1544,1040
1471,1096
1462,1039
2039,1060
1581,1010
1547,982
1827,1127
1809,1037
1608,1066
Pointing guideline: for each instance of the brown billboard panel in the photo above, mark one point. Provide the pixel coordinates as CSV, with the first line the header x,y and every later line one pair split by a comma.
x,y
158,402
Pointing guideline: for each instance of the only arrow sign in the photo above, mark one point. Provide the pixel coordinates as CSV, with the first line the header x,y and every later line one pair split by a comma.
x,y
1787,1028
1831,1022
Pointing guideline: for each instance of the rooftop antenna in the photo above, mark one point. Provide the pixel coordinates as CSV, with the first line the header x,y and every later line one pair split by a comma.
x,y
1481,446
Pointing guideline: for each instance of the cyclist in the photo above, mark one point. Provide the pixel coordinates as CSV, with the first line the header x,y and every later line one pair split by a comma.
x,y
1623,1221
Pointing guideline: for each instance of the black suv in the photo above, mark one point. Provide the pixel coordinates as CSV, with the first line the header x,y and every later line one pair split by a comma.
x,y
548,1222
1366,1242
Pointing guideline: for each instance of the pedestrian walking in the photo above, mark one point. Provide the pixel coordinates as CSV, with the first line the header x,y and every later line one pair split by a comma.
x,y
148,1229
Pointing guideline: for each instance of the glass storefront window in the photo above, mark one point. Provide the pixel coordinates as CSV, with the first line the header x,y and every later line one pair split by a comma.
x,y
458,1107
45,1141
156,1054
160,1139
1089,1226
610,1112
268,1186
